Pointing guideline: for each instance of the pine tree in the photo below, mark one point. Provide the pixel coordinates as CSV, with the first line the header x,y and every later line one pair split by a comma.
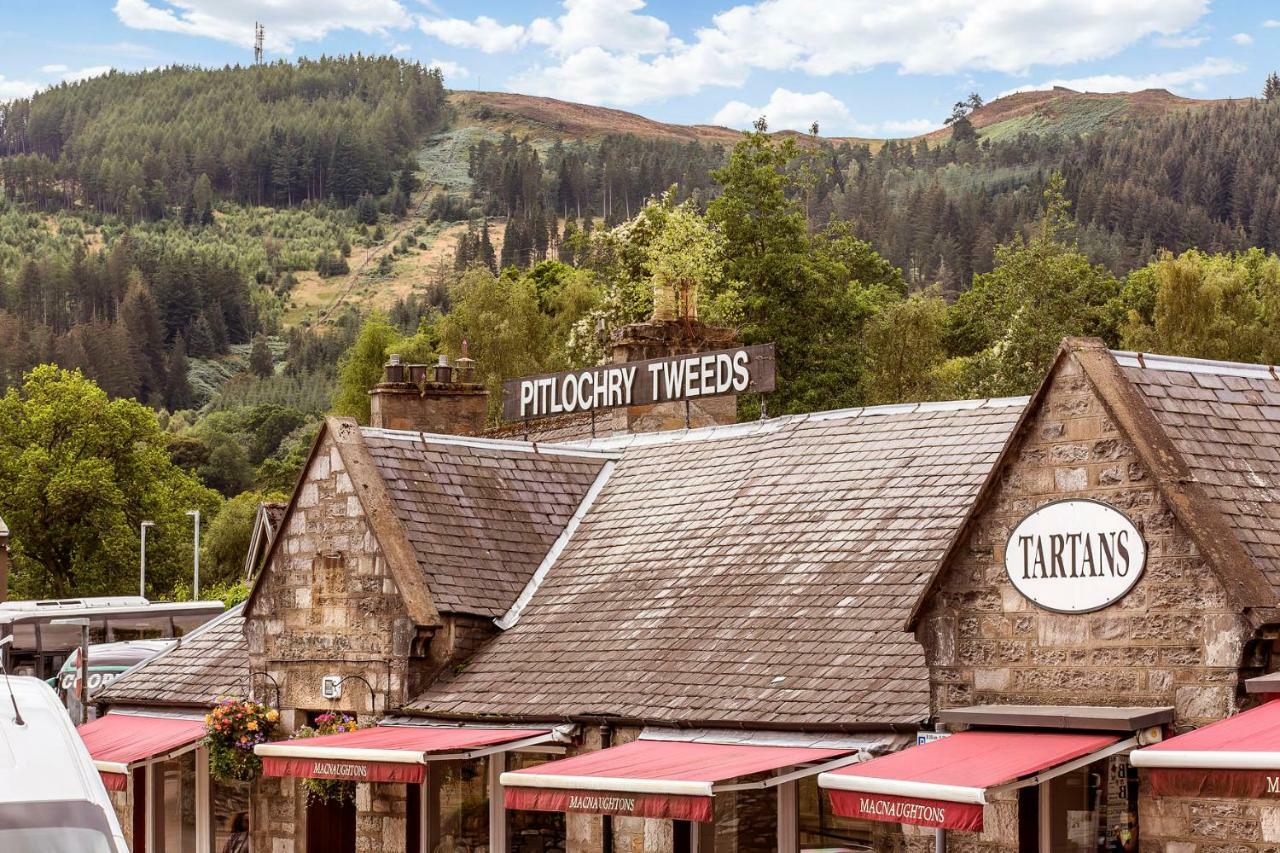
x,y
141,319
260,362
202,344
178,394
486,252
1271,89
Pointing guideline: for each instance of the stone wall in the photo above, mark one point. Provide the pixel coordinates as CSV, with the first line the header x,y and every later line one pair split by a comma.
x,y
122,803
1172,641
1203,825
326,605
659,339
381,817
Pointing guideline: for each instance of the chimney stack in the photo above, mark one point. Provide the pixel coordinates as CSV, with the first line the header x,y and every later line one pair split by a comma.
x,y
429,397
659,339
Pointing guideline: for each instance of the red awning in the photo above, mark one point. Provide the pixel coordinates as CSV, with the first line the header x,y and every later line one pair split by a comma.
x,y
388,753
1235,757
943,783
118,741
649,778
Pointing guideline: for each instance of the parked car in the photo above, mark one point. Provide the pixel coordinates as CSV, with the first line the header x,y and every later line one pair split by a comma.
x,y
52,799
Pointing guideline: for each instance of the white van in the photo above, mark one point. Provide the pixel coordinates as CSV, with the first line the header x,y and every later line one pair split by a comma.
x,y
52,799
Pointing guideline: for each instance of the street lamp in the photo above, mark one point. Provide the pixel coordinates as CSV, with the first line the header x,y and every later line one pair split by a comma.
x,y
195,556
142,573
83,625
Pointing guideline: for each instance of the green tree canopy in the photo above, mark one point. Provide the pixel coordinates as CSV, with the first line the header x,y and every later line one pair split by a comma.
x,y
81,472
227,539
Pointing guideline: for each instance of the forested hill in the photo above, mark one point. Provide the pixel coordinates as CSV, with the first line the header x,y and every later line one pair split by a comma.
x,y
281,133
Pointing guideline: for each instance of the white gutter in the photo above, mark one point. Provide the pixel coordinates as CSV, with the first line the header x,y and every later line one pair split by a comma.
x,y
112,767
512,616
301,749
680,787
1205,759
903,788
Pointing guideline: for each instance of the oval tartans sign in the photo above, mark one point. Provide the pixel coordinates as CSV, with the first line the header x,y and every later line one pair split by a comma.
x,y
1075,556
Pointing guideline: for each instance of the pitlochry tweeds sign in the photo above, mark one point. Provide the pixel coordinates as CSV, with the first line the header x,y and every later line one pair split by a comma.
x,y
1075,556
741,370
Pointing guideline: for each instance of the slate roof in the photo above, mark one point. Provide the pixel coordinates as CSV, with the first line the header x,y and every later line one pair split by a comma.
x,y
1224,420
758,573
209,664
562,428
480,516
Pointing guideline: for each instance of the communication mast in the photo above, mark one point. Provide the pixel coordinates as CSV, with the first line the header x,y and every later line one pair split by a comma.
x,y
259,32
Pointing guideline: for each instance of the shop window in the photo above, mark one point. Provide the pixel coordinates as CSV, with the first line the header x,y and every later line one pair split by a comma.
x,y
533,831
747,821
177,832
464,805
230,803
821,829
1092,809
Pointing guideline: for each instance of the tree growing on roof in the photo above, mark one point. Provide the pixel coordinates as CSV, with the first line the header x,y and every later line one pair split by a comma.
x,y
684,258
80,473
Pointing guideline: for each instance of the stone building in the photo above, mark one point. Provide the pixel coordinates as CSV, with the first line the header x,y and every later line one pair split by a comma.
x,y
723,638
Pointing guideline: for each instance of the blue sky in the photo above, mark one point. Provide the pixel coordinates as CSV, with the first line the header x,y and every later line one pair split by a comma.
x,y
865,67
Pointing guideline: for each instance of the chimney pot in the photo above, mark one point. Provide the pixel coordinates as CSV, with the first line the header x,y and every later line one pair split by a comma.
x,y
466,370
444,373
417,373
394,369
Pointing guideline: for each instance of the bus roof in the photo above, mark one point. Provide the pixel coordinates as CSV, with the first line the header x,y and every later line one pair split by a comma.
x,y
90,609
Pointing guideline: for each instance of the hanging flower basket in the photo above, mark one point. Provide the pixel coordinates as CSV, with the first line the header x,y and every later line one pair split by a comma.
x,y
335,791
232,729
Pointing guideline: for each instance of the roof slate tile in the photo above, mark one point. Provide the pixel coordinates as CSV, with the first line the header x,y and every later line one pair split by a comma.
x,y
746,575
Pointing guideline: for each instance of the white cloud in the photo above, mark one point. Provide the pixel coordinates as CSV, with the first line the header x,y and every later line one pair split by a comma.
x,y
484,33
606,24
399,49
1181,41
10,89
598,76
54,68
451,70
84,73
286,21
789,110
1189,78
1271,23
903,127
1242,38
605,52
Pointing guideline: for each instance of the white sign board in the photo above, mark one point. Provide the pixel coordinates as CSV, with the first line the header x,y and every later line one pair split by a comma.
x,y
1075,556
929,737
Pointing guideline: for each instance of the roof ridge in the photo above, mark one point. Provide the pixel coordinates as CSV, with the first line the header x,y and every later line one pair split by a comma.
x,y
770,425
1156,361
481,442
178,642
